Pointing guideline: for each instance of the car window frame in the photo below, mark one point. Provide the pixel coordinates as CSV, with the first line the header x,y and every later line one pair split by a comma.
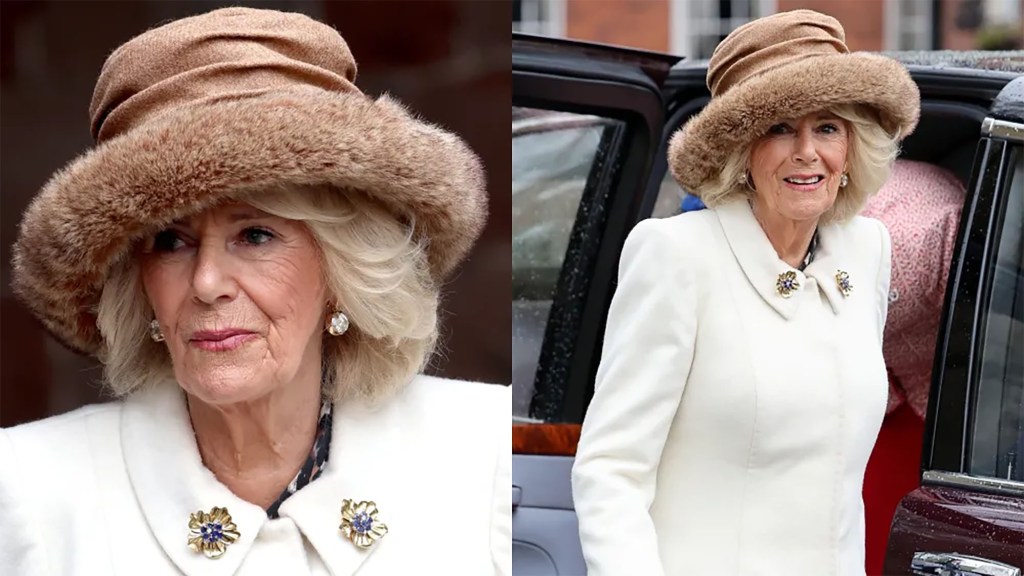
x,y
620,91
950,421
1013,156
559,323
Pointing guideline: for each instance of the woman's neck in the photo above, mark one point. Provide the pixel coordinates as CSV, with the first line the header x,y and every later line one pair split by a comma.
x,y
790,238
255,448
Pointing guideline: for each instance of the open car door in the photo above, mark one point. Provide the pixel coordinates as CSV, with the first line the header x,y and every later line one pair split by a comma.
x,y
967,518
586,123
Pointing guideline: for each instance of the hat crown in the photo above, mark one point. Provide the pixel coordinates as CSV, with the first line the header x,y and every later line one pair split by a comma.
x,y
226,54
770,42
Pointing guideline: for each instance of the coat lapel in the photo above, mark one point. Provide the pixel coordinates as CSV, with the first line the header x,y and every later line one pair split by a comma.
x,y
171,482
362,466
755,255
762,266
829,260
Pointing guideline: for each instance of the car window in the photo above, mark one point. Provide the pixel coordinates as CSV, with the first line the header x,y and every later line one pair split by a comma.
x,y
997,444
553,157
672,199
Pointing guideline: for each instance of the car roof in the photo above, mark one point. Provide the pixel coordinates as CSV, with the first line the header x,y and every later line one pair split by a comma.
x,y
1004,61
995,63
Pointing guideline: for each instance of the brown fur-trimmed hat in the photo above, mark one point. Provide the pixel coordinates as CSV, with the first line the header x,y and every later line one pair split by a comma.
x,y
233,100
779,67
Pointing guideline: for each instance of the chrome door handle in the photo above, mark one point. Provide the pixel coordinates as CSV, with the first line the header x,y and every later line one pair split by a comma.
x,y
944,564
517,497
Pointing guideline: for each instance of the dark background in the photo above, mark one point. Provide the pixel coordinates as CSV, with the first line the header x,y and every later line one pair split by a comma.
x,y
447,60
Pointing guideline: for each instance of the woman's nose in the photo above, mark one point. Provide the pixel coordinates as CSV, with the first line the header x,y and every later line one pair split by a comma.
x,y
211,277
804,150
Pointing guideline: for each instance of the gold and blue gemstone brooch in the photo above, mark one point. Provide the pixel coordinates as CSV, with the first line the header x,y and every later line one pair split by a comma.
x,y
843,282
787,284
359,523
211,532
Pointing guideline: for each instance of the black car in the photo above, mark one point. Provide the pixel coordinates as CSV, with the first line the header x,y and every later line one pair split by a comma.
x,y
590,128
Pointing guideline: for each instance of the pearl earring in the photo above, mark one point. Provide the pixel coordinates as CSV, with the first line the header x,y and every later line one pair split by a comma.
x,y
337,323
844,180
744,179
155,332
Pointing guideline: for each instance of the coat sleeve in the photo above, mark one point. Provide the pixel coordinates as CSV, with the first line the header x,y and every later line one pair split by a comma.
x,y
647,352
501,515
21,547
884,278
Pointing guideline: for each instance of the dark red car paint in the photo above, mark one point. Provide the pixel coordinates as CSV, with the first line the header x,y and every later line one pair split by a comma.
x,y
941,519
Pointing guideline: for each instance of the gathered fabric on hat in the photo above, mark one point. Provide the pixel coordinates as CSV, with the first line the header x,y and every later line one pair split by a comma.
x,y
224,55
755,48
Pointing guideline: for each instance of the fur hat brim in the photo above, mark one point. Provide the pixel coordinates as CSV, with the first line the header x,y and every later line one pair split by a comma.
x,y
93,210
733,120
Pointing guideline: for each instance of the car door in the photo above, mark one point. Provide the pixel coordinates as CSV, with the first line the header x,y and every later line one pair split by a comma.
x,y
967,518
586,122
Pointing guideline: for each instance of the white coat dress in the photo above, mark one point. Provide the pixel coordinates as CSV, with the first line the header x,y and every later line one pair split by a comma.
x,y
108,489
730,427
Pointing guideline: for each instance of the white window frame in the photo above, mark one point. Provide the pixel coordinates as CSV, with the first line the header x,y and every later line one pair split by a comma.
x,y
533,23
1002,11
895,22
688,18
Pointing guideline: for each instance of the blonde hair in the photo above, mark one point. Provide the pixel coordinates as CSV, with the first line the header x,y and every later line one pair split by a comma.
x,y
870,155
374,270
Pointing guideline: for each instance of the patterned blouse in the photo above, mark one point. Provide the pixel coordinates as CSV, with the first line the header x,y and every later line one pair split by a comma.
x,y
315,462
920,204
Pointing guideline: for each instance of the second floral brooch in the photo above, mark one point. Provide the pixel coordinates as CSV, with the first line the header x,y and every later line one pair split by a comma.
x,y
359,523
843,282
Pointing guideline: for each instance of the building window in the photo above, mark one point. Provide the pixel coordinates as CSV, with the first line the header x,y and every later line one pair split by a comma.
x,y
908,24
699,25
541,17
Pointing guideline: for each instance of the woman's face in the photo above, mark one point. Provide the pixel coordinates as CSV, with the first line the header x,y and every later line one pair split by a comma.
x,y
241,301
795,168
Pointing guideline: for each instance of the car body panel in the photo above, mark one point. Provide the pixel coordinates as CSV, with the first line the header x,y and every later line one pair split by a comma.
x,y
939,518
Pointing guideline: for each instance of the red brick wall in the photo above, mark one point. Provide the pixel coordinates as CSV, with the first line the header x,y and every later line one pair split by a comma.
x,y
635,23
646,23
862,19
953,38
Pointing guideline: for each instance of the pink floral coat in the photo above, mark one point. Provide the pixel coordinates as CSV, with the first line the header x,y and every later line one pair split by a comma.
x,y
920,205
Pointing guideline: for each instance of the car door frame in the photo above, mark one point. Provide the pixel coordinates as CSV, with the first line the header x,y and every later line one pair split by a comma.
x,y
949,424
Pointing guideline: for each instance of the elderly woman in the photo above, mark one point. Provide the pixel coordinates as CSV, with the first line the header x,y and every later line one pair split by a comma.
x,y
254,250
742,382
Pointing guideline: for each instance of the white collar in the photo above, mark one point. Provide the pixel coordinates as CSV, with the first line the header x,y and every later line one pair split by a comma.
x,y
762,265
171,482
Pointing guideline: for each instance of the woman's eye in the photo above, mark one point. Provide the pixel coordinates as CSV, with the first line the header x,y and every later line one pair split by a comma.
x,y
778,129
167,241
829,128
256,236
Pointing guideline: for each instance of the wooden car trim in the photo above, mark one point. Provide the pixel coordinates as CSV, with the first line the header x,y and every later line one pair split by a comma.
x,y
545,439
